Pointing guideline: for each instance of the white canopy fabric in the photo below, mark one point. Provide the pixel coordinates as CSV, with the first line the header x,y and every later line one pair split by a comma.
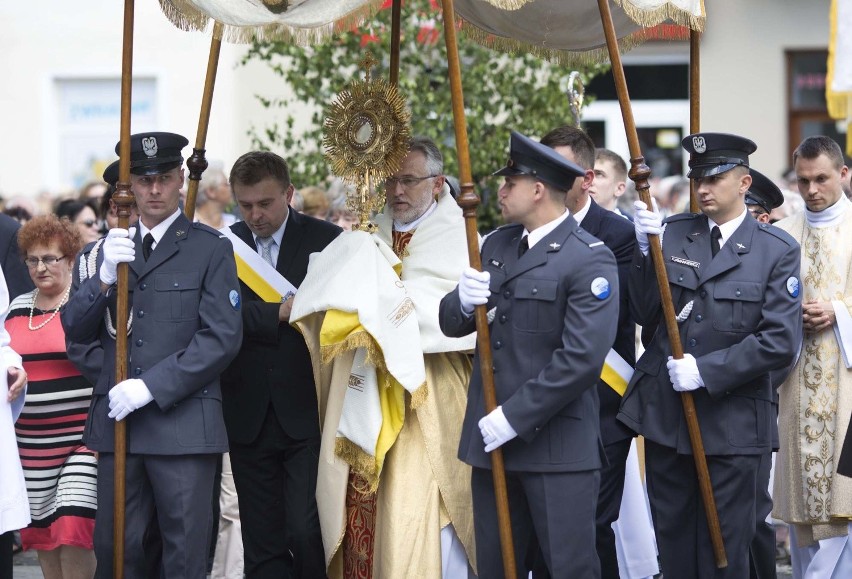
x,y
570,31
556,29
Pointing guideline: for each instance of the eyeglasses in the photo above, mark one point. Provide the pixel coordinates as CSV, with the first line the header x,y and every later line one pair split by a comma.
x,y
47,260
406,182
90,223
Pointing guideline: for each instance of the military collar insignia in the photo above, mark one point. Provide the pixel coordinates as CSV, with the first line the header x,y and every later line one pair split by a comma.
x,y
684,261
554,246
740,246
180,232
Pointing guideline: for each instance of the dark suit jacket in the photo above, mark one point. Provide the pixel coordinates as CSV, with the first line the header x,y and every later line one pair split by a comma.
x,y
14,270
186,329
617,234
549,338
743,326
273,365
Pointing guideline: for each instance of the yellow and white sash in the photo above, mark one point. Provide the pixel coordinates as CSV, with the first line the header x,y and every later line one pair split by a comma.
x,y
616,372
256,273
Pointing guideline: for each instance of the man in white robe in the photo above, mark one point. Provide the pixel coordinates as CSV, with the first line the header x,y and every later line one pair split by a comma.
x,y
816,399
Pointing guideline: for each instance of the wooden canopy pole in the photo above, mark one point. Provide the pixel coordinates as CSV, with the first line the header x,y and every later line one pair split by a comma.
x,y
694,101
396,31
639,173
197,163
123,199
468,201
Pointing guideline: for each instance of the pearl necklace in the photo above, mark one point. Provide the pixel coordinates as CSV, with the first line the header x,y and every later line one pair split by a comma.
x,y
55,311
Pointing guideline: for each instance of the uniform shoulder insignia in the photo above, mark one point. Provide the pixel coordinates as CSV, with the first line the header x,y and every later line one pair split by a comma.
x,y
777,232
588,238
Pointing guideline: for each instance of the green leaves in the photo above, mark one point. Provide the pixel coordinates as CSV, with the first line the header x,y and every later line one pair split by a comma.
x,y
502,92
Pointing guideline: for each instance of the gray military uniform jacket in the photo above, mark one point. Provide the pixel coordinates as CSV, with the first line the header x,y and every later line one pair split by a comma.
x,y
744,324
553,325
186,328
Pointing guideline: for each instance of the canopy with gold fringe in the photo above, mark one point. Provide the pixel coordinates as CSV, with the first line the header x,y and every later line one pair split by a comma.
x,y
567,31
300,21
838,86
570,31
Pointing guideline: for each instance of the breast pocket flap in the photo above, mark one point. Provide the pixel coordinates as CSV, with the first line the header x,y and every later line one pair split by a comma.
x,y
536,289
746,291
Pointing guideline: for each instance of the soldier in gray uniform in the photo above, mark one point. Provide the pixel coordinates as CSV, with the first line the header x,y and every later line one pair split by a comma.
x,y
553,292
735,287
185,328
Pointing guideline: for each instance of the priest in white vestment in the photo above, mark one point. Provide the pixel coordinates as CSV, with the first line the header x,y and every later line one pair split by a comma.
x,y
393,499
816,399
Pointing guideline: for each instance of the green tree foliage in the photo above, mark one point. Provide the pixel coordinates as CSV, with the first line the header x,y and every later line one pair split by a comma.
x,y
501,92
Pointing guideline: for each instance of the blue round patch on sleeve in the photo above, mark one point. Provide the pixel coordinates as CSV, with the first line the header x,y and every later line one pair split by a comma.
x,y
600,288
234,298
793,286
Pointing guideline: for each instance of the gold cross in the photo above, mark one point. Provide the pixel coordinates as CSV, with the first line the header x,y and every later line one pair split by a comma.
x,y
368,63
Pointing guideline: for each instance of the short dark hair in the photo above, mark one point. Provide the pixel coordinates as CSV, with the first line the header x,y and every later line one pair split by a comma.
x,y
581,144
813,147
255,166
434,158
71,208
617,162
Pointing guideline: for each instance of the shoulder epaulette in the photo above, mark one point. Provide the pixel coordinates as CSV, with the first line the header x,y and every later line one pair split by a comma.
x,y
588,238
202,227
681,217
777,232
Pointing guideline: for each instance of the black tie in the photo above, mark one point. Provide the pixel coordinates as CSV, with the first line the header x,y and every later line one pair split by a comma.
x,y
523,246
715,240
147,244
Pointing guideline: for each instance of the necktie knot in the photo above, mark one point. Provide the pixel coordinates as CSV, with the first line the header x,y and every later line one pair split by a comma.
x,y
147,246
265,244
523,246
715,240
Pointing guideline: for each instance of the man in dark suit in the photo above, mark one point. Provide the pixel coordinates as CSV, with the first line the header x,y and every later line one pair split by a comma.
x,y
617,234
735,286
186,327
269,394
17,277
552,287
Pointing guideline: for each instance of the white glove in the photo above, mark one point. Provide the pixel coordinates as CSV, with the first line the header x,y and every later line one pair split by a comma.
x,y
646,223
684,374
474,289
496,430
127,396
118,248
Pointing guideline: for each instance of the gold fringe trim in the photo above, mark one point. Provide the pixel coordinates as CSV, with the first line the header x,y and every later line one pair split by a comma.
x,y
647,18
359,461
186,16
567,58
508,4
352,342
419,396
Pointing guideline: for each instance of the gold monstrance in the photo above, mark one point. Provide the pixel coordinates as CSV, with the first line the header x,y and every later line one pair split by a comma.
x,y
365,136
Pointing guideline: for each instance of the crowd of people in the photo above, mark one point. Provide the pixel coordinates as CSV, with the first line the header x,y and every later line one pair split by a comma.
x,y
325,396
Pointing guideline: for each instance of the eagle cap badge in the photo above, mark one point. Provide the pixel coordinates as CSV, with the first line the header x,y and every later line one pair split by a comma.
x,y
149,146
699,144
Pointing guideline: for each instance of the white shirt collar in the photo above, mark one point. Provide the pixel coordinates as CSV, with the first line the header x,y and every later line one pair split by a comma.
x,y
728,228
540,233
278,236
581,214
159,230
403,227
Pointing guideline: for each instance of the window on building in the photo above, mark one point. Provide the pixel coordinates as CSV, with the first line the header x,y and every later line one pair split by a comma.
x,y
806,108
